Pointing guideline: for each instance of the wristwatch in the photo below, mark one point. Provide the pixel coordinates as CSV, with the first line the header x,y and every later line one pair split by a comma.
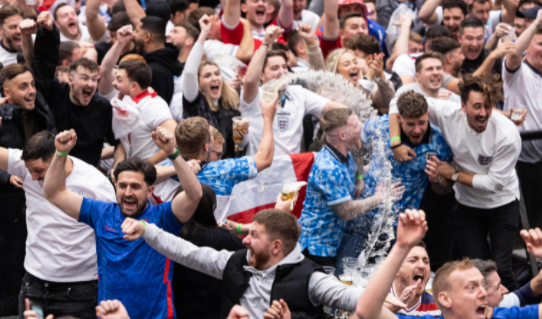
x,y
455,175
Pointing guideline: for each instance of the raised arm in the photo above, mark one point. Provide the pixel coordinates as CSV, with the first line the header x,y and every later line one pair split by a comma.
x,y
46,50
185,203
232,13
190,83
489,62
401,45
428,13
246,47
286,14
509,8
28,27
316,58
331,19
252,76
266,149
135,12
355,208
95,24
514,58
54,187
411,230
124,36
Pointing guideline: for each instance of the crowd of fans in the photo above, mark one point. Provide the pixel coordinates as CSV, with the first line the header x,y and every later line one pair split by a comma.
x,y
125,126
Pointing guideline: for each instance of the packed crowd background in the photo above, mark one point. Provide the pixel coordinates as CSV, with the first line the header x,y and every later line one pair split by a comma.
x,y
137,138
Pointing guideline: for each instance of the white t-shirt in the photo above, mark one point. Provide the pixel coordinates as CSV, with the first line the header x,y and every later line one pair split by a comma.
x,y
522,91
7,57
309,17
85,36
154,111
288,122
490,155
416,88
176,104
405,64
211,46
58,247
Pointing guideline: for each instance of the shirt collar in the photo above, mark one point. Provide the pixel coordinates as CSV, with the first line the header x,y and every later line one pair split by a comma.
x,y
343,159
532,67
142,95
303,63
426,139
6,48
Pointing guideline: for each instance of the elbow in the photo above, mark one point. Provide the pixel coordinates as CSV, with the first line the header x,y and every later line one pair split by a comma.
x,y
265,163
362,313
198,193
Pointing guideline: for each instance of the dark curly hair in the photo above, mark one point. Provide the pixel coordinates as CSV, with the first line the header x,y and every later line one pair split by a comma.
x,y
412,105
488,85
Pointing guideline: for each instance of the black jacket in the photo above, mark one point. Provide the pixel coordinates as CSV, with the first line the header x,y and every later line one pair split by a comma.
x,y
164,64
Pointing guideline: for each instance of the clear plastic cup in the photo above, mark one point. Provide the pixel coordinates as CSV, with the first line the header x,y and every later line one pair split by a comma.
x,y
349,265
268,94
330,270
238,122
516,115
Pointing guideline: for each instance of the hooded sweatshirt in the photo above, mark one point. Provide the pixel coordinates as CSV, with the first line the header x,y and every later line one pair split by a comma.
x,y
164,65
323,289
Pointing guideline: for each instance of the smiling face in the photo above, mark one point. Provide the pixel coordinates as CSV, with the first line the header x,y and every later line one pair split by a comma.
x,y
472,42
457,58
467,294
259,245
348,67
481,11
430,75
21,91
534,52
83,83
299,5
132,193
495,290
210,81
275,67
477,110
353,27
415,267
452,17
415,128
414,47
11,34
67,22
256,11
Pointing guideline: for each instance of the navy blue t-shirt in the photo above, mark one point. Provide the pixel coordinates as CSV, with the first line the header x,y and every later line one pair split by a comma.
x,y
528,312
132,271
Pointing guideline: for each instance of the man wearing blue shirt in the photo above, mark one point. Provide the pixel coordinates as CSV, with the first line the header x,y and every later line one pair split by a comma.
x,y
131,272
426,140
458,287
331,189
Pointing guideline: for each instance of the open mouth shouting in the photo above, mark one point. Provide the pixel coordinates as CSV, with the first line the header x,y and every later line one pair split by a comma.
x,y
354,76
481,121
436,82
215,90
480,311
260,13
129,203
86,94
29,99
418,276
73,28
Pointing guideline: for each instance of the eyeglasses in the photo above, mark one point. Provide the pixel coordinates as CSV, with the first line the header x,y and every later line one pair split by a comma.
x,y
219,155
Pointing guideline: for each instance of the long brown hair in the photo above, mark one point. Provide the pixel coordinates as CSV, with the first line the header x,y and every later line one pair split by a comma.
x,y
229,97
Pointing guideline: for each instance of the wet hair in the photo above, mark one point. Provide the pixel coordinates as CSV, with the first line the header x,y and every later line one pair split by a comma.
x,y
486,267
191,135
342,20
195,16
412,105
119,20
279,225
65,51
441,282
450,4
204,215
426,55
11,71
155,26
136,164
335,118
40,146
8,11
470,22
488,85
272,53
85,63
138,72
444,45
364,43
190,30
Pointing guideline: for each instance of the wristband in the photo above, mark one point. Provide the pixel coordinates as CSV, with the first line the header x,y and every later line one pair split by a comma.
x,y
144,225
359,176
395,138
239,230
396,146
61,153
174,155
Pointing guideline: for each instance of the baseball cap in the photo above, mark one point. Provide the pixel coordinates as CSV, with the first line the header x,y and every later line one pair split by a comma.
x,y
158,8
358,2
530,13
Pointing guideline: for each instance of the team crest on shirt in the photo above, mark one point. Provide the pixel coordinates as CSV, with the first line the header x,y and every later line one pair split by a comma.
x,y
484,160
283,123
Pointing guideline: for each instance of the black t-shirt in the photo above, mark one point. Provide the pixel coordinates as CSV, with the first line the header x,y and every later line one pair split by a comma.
x,y
103,47
470,66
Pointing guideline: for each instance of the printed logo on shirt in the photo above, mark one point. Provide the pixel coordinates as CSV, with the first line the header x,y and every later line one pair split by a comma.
x,y
283,122
107,228
484,160
78,192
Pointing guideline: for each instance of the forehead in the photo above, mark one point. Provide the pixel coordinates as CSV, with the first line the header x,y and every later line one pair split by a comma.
x,y
459,278
65,9
418,251
353,119
473,31
35,164
479,6
274,60
131,177
180,30
453,11
209,68
23,77
81,70
354,20
14,19
347,56
475,97
430,62
258,227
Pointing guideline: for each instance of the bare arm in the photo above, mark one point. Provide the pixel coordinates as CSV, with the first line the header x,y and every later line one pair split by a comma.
x,y
331,20
135,12
509,8
95,24
286,14
4,156
54,187
232,12
246,47
401,45
489,62
185,203
513,59
28,27
266,149
355,208
428,12
453,86
170,125
124,36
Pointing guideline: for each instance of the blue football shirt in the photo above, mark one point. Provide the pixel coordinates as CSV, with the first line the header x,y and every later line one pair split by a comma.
x,y
528,312
132,271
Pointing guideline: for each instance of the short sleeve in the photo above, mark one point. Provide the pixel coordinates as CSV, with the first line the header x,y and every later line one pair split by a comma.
x,y
404,65
16,164
527,312
232,35
331,181
511,76
367,132
211,46
155,114
91,210
446,79
314,103
253,107
167,220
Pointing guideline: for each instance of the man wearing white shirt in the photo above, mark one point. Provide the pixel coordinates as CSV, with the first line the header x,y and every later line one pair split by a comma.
x,y
301,15
521,80
68,24
10,17
294,104
61,270
486,147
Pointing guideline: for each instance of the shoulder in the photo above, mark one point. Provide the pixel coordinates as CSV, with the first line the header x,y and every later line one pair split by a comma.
x,y
101,101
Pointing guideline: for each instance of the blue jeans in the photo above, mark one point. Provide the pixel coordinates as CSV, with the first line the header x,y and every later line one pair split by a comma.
x,y
77,299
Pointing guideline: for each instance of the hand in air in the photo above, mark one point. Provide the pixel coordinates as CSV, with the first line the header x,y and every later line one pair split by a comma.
x,y
132,228
164,139
45,20
65,141
533,241
278,310
28,26
412,228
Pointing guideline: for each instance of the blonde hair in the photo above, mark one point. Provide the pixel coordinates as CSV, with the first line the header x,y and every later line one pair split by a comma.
x,y
332,61
441,282
415,37
217,136
229,97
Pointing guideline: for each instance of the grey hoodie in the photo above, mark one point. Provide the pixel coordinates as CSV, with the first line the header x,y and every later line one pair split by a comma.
x,y
323,289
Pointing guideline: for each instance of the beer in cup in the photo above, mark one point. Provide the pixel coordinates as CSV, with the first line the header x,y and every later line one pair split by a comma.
x,y
290,190
239,125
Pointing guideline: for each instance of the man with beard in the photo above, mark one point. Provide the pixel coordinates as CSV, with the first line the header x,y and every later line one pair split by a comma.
x,y
301,15
74,104
410,281
270,269
70,29
415,176
452,58
486,147
11,43
60,263
131,272
447,12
